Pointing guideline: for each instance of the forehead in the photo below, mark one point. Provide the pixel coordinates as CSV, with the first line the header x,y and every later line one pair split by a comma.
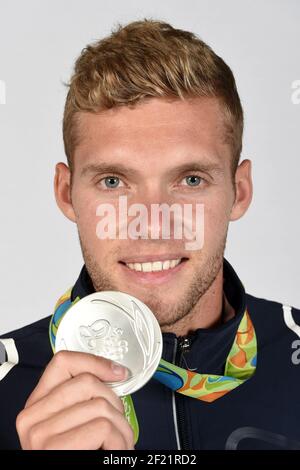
x,y
152,129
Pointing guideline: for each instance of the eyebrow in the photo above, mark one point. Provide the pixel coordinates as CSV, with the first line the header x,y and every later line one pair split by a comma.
x,y
120,168
203,167
94,169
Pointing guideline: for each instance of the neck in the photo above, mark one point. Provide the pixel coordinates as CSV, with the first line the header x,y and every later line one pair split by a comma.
x,y
207,313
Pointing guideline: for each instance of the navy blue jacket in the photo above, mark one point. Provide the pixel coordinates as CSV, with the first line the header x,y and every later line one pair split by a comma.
x,y
262,413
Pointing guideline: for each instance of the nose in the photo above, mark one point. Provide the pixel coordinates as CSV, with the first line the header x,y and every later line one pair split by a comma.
x,y
156,212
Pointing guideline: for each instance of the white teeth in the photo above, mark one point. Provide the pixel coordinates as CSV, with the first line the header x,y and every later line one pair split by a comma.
x,y
157,266
154,266
166,265
173,263
146,267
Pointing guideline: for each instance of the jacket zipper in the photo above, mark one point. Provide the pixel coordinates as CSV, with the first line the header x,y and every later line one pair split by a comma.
x,y
183,346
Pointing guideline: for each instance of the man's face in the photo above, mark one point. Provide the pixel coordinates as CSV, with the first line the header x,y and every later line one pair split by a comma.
x,y
158,152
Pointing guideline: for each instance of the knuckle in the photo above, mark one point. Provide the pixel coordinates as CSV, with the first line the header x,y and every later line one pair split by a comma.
x,y
35,437
21,420
103,404
87,379
105,425
60,358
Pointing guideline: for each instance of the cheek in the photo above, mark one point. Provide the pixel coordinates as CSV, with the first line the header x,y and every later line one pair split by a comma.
x,y
90,211
86,207
85,210
216,219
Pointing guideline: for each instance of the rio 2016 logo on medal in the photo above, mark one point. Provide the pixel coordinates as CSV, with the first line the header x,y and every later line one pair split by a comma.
x,y
116,326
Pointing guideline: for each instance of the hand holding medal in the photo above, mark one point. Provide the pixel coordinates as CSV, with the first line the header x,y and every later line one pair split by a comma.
x,y
121,328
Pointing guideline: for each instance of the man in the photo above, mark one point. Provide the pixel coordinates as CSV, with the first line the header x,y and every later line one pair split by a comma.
x,y
153,115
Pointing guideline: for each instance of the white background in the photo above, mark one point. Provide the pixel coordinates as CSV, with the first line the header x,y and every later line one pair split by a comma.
x,y
39,41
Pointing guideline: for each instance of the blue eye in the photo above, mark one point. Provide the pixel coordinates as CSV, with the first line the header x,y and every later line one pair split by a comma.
x,y
112,182
193,180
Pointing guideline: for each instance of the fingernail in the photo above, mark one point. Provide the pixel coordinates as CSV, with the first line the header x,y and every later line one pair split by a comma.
x,y
119,370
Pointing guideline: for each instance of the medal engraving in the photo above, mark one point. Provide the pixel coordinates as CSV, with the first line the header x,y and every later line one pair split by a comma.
x,y
102,339
116,326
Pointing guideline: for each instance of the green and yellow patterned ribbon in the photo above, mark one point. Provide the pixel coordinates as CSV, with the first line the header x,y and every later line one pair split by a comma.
x,y
240,366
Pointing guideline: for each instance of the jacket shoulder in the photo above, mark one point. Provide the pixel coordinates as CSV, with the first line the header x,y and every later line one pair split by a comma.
x,y
269,304
273,316
27,330
28,347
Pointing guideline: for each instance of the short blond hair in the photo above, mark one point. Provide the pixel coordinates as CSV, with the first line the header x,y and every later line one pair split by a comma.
x,y
144,59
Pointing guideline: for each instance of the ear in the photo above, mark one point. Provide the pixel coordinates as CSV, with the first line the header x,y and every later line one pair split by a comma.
x,y
243,189
62,189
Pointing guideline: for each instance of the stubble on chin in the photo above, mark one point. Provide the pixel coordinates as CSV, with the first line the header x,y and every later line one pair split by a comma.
x,y
168,313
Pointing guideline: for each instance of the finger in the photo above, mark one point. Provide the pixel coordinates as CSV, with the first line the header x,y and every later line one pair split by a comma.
x,y
78,415
68,364
97,434
79,389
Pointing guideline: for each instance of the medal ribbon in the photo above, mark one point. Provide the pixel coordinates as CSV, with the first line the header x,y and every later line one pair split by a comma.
x,y
240,365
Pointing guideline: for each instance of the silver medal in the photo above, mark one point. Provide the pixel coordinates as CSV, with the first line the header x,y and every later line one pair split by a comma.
x,y
116,326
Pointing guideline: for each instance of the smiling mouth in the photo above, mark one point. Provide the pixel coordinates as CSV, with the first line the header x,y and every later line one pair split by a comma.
x,y
154,266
